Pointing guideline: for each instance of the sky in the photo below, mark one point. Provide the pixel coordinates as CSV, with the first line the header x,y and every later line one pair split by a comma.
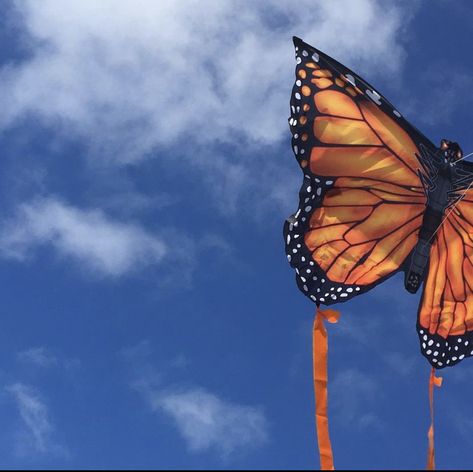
x,y
149,317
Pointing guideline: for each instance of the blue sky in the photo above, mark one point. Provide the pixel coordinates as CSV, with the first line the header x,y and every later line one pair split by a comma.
x,y
149,316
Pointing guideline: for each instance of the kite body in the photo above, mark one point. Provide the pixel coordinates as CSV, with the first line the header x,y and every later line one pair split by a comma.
x,y
441,179
377,198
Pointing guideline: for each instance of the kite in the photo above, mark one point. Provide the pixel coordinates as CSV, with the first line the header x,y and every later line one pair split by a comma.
x,y
377,198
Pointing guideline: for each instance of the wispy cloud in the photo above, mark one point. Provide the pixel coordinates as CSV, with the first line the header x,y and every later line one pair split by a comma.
x,y
38,356
44,358
208,422
106,246
37,432
205,420
444,94
463,425
103,245
116,76
353,392
231,57
359,329
404,364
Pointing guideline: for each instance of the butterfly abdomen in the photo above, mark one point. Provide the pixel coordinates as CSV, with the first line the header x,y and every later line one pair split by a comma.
x,y
437,202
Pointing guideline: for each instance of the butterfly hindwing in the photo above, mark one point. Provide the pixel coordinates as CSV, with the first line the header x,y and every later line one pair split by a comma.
x,y
445,319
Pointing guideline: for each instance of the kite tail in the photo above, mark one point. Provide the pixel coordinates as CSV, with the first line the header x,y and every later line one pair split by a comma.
x,y
320,351
433,382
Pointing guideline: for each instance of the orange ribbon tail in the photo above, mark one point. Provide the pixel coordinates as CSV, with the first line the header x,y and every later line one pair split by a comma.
x,y
320,351
433,382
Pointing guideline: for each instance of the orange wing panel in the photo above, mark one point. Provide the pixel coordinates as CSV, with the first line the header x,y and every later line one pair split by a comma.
x,y
362,162
445,315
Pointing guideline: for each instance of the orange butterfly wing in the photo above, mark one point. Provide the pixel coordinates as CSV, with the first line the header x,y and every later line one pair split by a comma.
x,y
445,319
362,201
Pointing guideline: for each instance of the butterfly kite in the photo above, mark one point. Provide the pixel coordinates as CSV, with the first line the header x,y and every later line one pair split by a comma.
x,y
377,198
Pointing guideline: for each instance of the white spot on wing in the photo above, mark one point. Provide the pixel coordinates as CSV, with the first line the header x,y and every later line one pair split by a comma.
x,y
350,79
375,96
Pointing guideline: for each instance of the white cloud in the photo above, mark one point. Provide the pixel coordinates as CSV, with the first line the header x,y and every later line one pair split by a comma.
x,y
404,364
176,79
443,96
105,246
354,393
38,356
132,75
37,432
44,358
207,422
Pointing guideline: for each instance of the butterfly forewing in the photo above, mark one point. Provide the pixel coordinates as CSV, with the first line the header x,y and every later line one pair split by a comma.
x,y
362,200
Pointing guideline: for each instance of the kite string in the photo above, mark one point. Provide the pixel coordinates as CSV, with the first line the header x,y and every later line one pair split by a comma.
x,y
464,157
